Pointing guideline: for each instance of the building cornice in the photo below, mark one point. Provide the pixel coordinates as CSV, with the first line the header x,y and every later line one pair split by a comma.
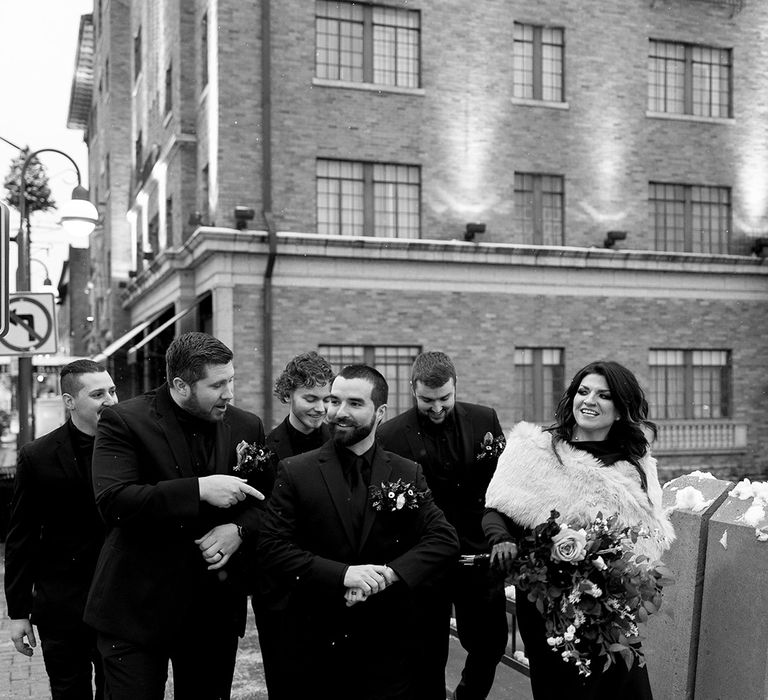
x,y
221,255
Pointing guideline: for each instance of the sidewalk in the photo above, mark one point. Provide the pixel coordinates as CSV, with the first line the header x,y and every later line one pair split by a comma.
x,y
24,677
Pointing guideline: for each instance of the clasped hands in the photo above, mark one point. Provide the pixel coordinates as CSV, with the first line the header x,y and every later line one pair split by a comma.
x,y
365,580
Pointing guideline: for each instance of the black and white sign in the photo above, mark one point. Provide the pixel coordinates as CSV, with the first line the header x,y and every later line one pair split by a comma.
x,y
31,325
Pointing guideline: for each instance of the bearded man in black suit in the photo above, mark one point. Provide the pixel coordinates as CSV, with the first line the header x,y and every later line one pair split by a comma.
x,y
55,537
458,445
305,386
165,585
350,557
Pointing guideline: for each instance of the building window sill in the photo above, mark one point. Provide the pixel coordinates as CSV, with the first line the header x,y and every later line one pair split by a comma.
x,y
367,87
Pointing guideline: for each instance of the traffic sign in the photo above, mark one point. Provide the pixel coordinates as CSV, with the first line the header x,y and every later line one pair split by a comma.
x,y
5,237
31,325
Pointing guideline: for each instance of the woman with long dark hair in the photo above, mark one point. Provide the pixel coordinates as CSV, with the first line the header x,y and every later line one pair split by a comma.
x,y
594,458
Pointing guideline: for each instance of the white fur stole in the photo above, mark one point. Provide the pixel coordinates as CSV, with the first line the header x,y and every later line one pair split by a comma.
x,y
529,482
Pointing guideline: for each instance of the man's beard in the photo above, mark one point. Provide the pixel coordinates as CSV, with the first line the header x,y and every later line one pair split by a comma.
x,y
351,437
192,406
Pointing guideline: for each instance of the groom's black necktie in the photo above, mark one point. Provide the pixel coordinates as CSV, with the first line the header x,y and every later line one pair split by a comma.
x,y
358,475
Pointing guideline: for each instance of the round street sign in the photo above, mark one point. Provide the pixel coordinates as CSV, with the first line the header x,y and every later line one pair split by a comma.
x,y
31,325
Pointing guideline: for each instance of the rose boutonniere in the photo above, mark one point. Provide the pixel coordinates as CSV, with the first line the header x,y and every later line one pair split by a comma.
x,y
397,495
251,458
491,447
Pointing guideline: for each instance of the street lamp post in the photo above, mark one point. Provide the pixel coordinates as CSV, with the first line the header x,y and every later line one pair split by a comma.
x,y
47,281
80,216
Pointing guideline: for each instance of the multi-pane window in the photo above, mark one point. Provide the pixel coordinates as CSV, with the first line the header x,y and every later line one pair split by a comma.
x,y
137,54
393,361
539,383
169,222
538,63
169,89
137,154
689,79
690,218
368,199
690,384
205,194
367,43
204,50
538,213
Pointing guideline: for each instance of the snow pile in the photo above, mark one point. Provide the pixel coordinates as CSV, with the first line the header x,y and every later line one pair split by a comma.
x,y
702,475
691,498
755,514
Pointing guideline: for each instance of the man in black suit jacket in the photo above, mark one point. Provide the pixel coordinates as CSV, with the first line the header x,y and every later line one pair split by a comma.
x,y
305,386
457,444
55,537
175,514
351,560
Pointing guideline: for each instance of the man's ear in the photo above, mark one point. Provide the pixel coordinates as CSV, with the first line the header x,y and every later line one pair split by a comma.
x,y
69,401
180,385
381,413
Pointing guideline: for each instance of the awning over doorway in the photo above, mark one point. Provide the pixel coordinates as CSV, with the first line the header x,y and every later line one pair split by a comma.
x,y
115,345
157,331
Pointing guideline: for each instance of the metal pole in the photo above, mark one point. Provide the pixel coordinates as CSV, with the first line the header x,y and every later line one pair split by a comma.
x,y
24,394
24,390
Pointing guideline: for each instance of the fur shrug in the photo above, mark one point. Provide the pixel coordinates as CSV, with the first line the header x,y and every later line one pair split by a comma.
x,y
529,482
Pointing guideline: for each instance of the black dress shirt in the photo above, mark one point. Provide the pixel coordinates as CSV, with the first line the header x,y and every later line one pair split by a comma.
x,y
201,439
303,442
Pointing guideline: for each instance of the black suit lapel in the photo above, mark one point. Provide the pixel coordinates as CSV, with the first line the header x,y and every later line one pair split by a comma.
x,y
415,439
65,453
166,419
223,439
466,435
330,468
380,472
281,444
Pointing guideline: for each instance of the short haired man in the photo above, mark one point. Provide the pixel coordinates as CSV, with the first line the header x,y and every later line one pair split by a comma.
x,y
350,571
305,386
55,537
446,436
174,510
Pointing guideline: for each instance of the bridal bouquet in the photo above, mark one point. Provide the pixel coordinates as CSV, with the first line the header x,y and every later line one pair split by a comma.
x,y
590,587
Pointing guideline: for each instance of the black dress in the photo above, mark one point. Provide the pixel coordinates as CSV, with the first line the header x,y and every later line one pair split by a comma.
x,y
552,678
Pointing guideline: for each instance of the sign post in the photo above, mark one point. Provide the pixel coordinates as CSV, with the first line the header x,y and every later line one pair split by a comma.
x,y
5,237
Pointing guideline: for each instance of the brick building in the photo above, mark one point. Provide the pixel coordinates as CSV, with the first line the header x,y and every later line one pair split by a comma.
x,y
527,186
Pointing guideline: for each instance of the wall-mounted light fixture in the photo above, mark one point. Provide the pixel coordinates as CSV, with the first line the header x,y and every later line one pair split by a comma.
x,y
472,230
242,216
612,236
195,218
760,247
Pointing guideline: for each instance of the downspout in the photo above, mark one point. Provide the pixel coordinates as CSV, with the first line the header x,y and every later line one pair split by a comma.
x,y
266,198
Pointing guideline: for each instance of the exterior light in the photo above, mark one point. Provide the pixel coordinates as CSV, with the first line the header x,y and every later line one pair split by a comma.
x,y
472,230
612,236
79,217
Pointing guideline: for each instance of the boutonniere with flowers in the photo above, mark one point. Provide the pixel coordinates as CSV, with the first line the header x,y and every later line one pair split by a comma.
x,y
491,447
397,495
251,458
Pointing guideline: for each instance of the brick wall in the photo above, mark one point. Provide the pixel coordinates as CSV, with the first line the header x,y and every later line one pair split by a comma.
x,y
480,332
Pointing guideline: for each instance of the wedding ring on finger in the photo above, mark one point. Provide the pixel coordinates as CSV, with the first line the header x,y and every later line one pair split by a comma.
x,y
220,553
